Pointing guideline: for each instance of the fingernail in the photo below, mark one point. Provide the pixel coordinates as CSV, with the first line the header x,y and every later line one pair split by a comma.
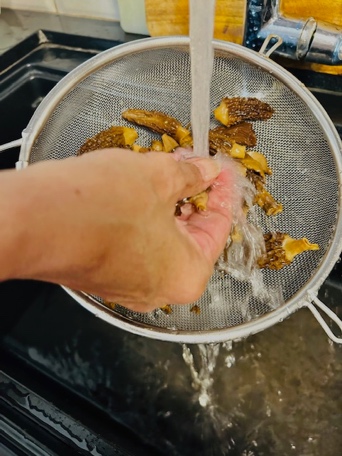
x,y
209,168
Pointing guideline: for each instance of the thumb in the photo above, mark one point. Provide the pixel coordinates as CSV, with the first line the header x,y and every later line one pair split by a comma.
x,y
195,175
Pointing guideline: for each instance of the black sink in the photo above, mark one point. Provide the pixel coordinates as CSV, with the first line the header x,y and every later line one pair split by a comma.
x,y
31,89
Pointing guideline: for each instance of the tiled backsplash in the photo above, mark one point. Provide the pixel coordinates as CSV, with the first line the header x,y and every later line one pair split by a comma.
x,y
99,9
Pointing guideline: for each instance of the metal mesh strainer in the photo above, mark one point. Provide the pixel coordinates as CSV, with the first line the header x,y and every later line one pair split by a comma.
x,y
300,142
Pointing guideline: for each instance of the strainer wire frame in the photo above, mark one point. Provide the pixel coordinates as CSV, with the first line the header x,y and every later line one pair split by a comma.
x,y
305,296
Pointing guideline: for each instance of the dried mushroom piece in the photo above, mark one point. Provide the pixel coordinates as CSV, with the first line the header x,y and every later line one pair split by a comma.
x,y
281,249
157,146
159,123
122,137
232,140
219,142
238,109
110,304
238,151
252,164
242,133
266,201
140,149
195,309
200,200
263,198
261,159
169,144
166,309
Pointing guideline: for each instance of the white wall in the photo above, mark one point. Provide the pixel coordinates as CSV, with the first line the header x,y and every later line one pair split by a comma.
x,y
99,9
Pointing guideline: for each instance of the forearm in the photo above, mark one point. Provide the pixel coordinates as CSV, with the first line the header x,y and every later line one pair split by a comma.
x,y
26,198
66,219
48,215
104,223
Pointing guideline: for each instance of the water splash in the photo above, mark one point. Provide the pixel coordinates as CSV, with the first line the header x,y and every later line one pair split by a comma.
x,y
245,244
202,377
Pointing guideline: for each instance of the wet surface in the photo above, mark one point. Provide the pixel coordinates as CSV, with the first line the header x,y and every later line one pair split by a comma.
x,y
278,392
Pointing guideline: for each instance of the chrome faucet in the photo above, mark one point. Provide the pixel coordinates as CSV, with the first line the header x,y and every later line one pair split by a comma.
x,y
307,40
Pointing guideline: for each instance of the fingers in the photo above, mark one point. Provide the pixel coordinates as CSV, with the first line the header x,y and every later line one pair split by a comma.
x,y
177,175
195,175
210,229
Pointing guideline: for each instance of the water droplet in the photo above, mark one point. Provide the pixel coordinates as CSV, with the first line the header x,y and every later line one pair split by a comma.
x,y
204,399
228,345
230,361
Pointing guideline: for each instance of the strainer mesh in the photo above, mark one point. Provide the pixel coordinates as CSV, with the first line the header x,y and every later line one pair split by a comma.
x,y
304,172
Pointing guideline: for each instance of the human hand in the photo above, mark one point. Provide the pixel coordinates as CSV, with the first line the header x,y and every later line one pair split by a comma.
x,y
104,223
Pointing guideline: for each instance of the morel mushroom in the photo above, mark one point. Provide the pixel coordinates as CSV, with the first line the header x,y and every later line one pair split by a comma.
x,y
220,142
159,123
237,109
263,198
242,133
281,250
122,137
232,140
200,200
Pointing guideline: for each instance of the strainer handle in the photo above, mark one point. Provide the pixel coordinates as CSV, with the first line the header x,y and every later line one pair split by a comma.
x,y
278,42
10,145
324,308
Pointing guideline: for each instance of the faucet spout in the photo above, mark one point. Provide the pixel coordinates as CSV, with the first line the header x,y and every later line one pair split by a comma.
x,y
307,40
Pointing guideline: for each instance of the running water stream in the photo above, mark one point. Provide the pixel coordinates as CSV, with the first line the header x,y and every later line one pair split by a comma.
x,y
202,18
202,59
201,51
240,265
